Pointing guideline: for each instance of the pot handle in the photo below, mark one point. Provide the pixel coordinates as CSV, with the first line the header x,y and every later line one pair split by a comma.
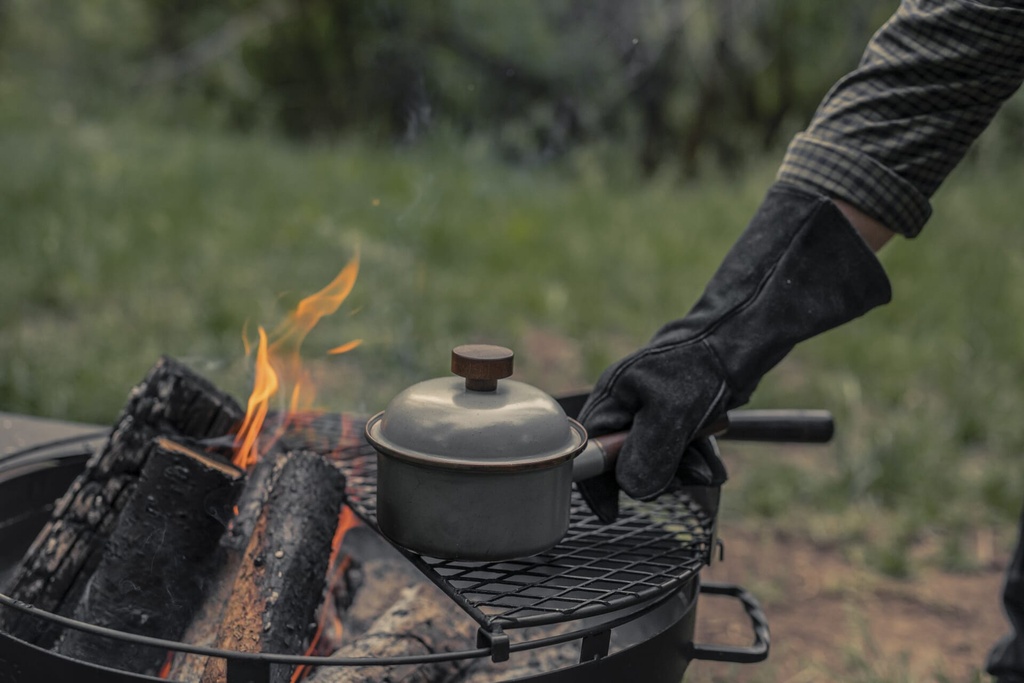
x,y
756,652
778,426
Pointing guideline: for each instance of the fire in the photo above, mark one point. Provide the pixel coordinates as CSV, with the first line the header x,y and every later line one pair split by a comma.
x,y
165,670
279,367
265,385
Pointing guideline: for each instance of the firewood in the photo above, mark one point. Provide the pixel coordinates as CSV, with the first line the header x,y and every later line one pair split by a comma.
x,y
151,578
422,621
230,553
281,583
170,401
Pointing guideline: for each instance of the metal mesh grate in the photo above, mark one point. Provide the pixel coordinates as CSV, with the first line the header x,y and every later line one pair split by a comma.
x,y
651,550
595,569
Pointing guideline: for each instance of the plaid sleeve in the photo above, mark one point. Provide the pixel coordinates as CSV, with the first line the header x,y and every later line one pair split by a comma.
x,y
888,134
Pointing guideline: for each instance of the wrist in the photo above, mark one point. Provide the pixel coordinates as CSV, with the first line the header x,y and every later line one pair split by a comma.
x,y
872,231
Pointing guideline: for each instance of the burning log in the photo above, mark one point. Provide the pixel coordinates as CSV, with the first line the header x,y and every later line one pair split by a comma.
x,y
323,433
422,621
150,580
170,401
230,555
281,583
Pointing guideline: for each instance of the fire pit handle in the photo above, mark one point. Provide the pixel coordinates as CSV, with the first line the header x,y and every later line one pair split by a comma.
x,y
757,652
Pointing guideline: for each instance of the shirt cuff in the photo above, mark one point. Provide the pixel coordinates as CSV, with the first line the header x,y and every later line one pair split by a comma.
x,y
825,168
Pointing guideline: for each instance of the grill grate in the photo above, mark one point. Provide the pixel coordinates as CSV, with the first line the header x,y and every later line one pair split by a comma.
x,y
650,551
592,571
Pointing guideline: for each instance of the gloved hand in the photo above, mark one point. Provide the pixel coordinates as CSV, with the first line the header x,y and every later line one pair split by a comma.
x,y
798,270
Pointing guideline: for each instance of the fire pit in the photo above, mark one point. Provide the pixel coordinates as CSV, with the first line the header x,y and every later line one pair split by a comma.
x,y
625,593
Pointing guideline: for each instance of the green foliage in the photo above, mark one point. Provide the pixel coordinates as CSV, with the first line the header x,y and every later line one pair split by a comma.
x,y
698,83
59,54
771,489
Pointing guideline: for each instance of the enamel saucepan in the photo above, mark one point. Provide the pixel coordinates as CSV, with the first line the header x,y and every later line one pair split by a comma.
x,y
479,467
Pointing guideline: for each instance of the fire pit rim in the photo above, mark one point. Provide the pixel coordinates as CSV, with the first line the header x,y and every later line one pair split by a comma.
x,y
629,614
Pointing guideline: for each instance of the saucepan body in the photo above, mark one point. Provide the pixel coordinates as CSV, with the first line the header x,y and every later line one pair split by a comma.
x,y
469,514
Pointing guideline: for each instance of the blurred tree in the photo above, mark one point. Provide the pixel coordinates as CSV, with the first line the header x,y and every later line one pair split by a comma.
x,y
686,82
333,65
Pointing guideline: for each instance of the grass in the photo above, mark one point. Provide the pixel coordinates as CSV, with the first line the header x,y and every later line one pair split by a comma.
x,y
123,241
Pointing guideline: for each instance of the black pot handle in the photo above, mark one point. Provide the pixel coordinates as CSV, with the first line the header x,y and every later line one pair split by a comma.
x,y
780,426
786,425
757,652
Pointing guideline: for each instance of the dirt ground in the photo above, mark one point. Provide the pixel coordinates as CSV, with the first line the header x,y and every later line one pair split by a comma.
x,y
832,621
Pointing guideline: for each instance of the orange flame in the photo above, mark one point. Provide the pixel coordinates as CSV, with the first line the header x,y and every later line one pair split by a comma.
x,y
279,363
165,670
265,385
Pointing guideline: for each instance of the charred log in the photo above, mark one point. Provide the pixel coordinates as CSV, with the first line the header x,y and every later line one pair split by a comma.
x,y
230,554
151,578
276,594
422,621
171,401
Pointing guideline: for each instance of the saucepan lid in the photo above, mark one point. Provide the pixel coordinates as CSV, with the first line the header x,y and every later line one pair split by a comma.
x,y
483,421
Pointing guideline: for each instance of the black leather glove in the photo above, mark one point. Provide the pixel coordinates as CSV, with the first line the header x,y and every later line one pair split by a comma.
x,y
798,270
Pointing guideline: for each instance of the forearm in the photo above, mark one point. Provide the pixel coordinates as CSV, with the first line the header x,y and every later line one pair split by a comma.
x,y
888,134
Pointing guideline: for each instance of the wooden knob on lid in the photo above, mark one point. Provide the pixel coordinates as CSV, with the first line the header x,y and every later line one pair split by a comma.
x,y
482,365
